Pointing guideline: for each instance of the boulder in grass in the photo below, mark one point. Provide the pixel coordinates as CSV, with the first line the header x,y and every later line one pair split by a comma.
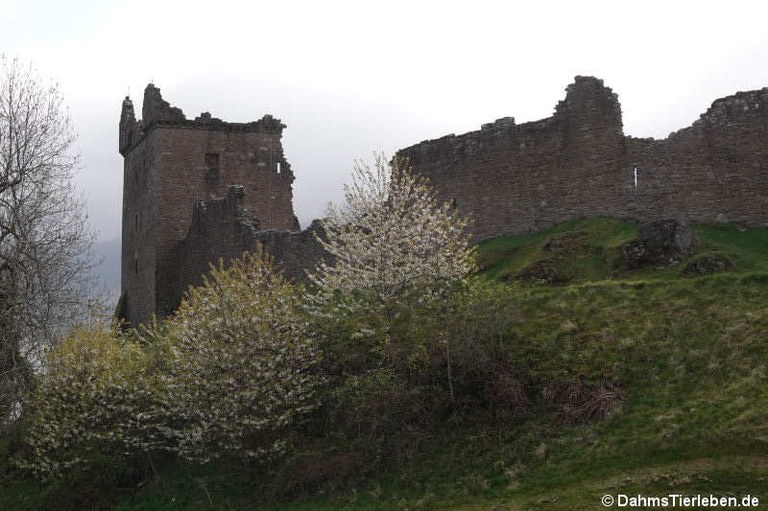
x,y
661,242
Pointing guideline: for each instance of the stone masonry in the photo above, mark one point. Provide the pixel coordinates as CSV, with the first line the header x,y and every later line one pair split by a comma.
x,y
170,164
196,191
222,229
512,178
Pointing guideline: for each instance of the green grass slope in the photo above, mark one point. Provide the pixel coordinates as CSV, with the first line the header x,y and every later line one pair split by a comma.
x,y
685,359
590,250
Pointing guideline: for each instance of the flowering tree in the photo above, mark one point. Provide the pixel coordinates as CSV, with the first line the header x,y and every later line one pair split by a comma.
x,y
242,364
394,248
391,237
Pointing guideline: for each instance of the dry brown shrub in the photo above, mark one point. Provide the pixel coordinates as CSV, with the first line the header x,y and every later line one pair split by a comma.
x,y
575,402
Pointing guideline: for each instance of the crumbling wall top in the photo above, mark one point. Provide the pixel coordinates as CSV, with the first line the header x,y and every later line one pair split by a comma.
x,y
589,106
739,108
128,126
158,112
589,102
156,109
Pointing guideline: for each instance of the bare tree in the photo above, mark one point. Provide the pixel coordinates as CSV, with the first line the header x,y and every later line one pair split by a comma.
x,y
44,241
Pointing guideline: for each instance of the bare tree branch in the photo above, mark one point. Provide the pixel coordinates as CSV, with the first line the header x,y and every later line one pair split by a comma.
x,y
44,240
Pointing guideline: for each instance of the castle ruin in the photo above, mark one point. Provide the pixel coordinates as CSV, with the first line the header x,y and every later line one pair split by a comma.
x,y
516,178
195,191
173,169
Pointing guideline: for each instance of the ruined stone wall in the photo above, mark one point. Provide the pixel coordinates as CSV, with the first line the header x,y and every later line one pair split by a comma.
x,y
222,229
514,178
218,230
170,164
509,178
295,253
716,170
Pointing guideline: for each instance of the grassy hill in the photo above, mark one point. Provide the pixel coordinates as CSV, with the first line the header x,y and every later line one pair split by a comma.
x,y
672,369
588,250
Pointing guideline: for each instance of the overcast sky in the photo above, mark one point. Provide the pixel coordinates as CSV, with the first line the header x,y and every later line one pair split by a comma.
x,y
349,78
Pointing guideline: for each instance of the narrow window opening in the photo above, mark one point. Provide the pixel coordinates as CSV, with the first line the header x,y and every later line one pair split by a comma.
x,y
136,265
634,175
136,222
278,167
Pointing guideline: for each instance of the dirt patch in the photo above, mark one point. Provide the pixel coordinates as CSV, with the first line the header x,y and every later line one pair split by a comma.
x,y
543,271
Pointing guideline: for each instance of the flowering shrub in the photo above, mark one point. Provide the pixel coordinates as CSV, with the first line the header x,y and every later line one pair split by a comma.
x,y
95,398
229,374
242,364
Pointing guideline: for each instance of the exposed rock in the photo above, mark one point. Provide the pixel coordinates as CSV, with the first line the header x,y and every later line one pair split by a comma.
x,y
667,236
565,242
559,247
661,242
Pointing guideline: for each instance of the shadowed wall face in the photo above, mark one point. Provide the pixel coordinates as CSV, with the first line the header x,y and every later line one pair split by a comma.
x,y
512,178
222,229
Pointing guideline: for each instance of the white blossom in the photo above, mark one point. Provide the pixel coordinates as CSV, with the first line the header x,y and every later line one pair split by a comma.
x,y
391,236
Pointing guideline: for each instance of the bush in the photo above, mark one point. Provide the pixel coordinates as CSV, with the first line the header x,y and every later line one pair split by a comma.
x,y
229,374
391,237
387,378
243,364
397,255
486,372
95,398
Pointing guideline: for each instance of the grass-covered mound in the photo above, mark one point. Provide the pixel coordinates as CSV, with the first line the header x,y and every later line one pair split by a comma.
x,y
589,250
644,381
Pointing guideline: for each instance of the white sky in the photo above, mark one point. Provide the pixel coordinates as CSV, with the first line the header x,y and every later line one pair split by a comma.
x,y
352,77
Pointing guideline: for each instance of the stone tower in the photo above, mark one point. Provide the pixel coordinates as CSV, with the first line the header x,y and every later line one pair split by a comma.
x,y
170,164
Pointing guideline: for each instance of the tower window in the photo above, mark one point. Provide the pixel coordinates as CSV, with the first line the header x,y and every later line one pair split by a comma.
x,y
212,165
278,167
